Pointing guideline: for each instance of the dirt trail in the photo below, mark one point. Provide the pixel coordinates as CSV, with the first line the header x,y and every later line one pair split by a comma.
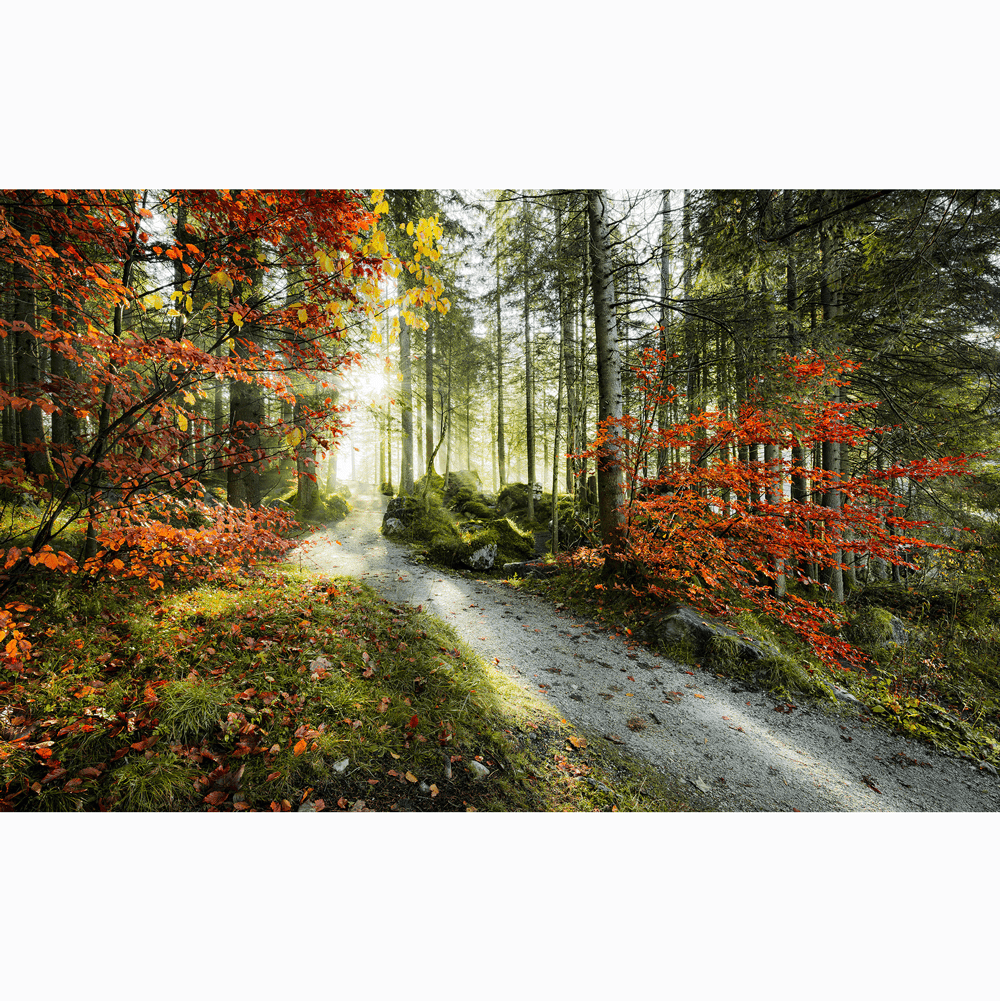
x,y
728,742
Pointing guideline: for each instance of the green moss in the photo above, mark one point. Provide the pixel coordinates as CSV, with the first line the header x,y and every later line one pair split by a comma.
x,y
337,506
513,544
427,521
513,497
476,508
449,552
870,627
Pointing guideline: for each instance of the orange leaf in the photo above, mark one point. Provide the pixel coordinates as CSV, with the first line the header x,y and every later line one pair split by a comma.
x,y
299,748
697,696
410,777
579,742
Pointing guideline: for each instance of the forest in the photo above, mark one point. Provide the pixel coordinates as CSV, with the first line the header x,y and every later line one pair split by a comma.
x,y
778,407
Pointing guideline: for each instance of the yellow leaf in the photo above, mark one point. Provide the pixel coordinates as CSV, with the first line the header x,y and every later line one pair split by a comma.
x,y
303,316
189,399
294,437
579,742
237,319
156,301
396,756
182,422
434,791
186,286
410,777
173,312
409,228
189,304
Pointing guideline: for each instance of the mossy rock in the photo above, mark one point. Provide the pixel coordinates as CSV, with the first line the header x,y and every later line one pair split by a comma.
x,y
461,482
448,552
336,507
435,484
424,519
476,508
873,627
513,543
514,497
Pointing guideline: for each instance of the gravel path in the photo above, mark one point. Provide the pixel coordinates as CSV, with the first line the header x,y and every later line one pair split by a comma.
x,y
733,747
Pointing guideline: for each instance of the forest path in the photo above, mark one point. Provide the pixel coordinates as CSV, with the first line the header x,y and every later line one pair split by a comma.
x,y
728,742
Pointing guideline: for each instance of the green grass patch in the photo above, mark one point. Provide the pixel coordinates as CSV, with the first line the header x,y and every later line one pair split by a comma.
x,y
282,692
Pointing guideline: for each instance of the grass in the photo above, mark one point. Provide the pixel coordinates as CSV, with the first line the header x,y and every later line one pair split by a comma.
x,y
282,692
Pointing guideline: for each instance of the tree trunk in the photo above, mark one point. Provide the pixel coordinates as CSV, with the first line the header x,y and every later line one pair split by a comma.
x,y
609,466
246,413
834,577
429,398
666,287
27,370
406,412
529,382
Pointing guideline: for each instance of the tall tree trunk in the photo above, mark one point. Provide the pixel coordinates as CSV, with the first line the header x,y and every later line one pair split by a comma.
x,y
774,489
555,442
305,461
609,464
429,398
26,353
529,382
99,448
666,287
406,412
834,577
246,411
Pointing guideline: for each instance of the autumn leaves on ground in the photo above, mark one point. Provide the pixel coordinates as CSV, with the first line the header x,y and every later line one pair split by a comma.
x,y
278,692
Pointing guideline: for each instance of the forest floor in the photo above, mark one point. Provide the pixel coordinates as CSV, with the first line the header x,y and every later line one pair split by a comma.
x,y
733,748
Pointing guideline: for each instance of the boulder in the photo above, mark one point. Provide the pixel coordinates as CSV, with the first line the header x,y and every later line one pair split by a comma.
x,y
875,627
682,626
484,557
392,526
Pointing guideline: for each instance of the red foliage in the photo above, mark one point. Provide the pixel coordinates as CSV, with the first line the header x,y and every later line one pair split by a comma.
x,y
717,532
145,303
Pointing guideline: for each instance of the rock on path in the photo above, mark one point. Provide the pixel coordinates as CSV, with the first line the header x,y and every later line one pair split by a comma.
x,y
736,748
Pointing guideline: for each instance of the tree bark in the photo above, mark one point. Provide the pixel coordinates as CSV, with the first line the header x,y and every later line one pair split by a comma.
x,y
406,411
834,576
529,382
609,464
246,414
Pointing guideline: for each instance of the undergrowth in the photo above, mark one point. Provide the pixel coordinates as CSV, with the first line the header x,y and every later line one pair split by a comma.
x,y
279,692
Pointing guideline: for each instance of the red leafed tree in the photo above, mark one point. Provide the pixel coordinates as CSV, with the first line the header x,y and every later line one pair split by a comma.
x,y
717,532
130,319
